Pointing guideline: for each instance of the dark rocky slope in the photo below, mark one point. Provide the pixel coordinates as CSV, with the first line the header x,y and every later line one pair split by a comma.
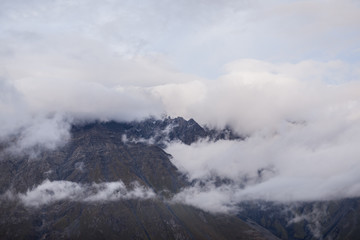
x,y
135,152
100,152
328,220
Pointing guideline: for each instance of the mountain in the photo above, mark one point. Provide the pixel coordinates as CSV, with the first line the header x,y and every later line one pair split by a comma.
x,y
329,220
115,180
110,181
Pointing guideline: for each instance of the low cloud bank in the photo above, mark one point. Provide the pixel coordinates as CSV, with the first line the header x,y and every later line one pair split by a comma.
x,y
52,191
37,114
255,95
251,96
302,123
310,161
303,126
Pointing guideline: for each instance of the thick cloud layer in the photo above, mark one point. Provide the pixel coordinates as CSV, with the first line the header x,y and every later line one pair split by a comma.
x,y
309,161
256,95
303,126
125,60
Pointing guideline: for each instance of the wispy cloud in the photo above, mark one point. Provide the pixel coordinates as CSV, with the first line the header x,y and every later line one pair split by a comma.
x,y
50,192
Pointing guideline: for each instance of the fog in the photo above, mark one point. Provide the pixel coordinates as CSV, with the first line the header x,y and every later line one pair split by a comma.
x,y
297,162
285,74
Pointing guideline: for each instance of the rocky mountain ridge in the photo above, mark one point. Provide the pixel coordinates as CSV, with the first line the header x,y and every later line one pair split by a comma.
x,y
115,180
109,181
161,131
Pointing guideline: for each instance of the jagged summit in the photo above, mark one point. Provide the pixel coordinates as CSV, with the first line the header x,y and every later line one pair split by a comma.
x,y
161,131
115,180
109,181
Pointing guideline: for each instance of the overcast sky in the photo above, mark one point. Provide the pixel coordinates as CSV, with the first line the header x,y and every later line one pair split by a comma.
x,y
79,56
197,37
286,73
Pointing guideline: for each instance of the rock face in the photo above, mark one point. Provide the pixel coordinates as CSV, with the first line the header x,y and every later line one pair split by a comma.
x,y
110,152
161,131
115,181
330,220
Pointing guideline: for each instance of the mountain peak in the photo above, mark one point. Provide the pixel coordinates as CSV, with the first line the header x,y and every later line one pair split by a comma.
x,y
161,131
102,185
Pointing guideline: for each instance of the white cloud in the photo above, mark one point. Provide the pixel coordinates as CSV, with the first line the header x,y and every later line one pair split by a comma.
x,y
256,94
24,128
209,198
117,190
48,132
49,192
312,161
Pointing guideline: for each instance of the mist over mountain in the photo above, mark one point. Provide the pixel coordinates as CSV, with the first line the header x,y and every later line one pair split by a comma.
x,y
179,119
113,179
110,180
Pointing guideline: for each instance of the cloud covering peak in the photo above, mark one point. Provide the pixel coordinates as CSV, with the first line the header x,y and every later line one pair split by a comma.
x,y
284,73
